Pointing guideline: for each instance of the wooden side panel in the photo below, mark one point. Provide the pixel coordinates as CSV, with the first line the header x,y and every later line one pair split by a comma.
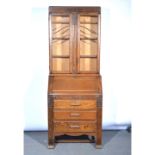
x,y
50,123
99,123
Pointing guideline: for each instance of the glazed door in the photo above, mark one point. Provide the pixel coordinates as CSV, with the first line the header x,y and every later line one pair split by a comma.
x,y
88,43
60,43
74,43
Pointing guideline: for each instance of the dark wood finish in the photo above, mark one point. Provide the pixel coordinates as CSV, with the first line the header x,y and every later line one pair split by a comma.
x,y
74,84
70,9
50,124
99,123
75,141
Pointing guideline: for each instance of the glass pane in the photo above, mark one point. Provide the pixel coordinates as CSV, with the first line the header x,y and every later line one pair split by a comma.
x,y
91,19
62,19
88,64
60,48
88,35
88,47
88,31
60,65
60,31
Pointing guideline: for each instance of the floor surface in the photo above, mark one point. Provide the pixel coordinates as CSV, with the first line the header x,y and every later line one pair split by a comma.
x,y
114,143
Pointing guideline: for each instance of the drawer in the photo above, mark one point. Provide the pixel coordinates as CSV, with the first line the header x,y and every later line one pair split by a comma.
x,y
74,126
75,104
75,115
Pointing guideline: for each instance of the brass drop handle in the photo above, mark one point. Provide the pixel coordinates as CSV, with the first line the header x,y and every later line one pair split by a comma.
x,y
75,104
75,114
75,126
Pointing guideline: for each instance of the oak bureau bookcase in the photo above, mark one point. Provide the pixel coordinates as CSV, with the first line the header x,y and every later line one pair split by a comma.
x,y
74,86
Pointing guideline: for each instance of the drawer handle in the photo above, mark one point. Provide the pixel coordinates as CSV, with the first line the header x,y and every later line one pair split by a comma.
x,y
75,104
75,114
74,126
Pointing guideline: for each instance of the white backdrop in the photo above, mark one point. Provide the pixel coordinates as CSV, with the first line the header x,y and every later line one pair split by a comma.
x,y
115,63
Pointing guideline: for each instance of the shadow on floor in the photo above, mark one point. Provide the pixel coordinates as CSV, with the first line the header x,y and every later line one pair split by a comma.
x,y
108,135
42,136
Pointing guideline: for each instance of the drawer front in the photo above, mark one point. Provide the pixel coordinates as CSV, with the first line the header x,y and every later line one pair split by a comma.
x,y
75,104
74,127
74,115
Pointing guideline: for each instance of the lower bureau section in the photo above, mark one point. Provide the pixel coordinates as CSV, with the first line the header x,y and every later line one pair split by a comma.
x,y
74,126
74,117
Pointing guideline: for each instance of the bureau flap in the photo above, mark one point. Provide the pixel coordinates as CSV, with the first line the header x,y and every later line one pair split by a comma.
x,y
70,84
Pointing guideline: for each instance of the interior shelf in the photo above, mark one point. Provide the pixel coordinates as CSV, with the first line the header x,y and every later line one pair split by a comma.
x,y
60,56
88,56
59,38
88,23
60,22
86,38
